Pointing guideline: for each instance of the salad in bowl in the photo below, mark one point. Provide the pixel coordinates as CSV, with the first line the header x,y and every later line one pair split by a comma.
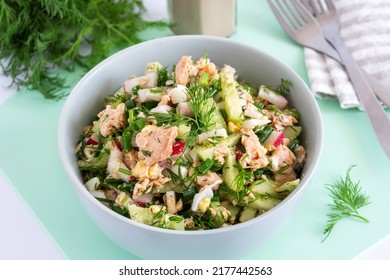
x,y
193,147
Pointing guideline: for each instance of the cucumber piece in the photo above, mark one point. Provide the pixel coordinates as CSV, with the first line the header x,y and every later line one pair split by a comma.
x,y
217,120
230,170
264,203
264,187
230,96
288,186
211,135
182,131
140,214
207,152
95,164
247,214
146,216
230,141
174,222
218,217
292,132
234,211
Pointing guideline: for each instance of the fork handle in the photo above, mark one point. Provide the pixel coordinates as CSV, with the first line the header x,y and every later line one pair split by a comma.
x,y
376,114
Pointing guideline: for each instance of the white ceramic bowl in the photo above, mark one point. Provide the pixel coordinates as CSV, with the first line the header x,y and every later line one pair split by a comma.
x,y
256,67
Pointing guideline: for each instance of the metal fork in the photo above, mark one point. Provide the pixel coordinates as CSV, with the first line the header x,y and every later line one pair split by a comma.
x,y
311,36
296,18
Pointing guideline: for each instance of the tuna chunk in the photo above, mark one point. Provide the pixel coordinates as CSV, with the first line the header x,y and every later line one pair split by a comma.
x,y
255,157
281,157
155,143
112,119
204,65
185,68
209,179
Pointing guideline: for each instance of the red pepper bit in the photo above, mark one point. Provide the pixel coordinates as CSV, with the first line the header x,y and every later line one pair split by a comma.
x,y
239,154
118,145
279,140
178,148
91,141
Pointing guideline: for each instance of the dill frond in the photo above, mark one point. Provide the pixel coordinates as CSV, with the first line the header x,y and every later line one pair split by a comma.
x,y
347,198
40,38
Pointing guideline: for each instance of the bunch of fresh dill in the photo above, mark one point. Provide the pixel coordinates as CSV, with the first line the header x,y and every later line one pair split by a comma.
x,y
40,37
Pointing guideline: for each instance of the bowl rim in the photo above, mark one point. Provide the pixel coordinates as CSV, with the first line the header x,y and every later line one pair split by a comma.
x,y
77,184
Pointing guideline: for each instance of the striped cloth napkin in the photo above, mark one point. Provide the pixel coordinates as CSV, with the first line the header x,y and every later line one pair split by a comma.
x,y
365,29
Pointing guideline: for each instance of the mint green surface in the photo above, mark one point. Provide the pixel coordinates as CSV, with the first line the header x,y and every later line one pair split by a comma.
x,y
30,160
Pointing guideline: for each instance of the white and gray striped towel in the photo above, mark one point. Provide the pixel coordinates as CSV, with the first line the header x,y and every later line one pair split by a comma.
x,y
365,29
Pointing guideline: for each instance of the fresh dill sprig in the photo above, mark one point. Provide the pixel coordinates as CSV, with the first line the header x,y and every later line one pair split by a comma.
x,y
284,87
40,38
200,106
171,118
203,112
243,177
241,181
347,199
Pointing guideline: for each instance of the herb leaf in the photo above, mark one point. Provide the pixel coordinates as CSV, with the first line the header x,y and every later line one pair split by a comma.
x,y
39,38
284,87
347,199
146,153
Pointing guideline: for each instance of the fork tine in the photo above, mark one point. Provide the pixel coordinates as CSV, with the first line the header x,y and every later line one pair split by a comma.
x,y
309,5
287,14
286,26
306,15
312,6
298,18
330,5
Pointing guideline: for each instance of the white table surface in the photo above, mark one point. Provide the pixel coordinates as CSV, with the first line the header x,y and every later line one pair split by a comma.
x,y
23,237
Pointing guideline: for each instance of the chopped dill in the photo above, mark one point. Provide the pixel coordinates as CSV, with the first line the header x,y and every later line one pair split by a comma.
x,y
146,153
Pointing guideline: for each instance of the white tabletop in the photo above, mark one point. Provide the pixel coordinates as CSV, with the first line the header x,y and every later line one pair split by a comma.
x,y
23,237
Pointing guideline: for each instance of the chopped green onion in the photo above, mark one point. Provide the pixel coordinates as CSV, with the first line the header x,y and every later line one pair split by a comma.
x,y
258,172
126,187
130,119
139,124
135,89
126,139
291,112
204,79
121,211
293,144
113,181
188,194
223,113
176,218
101,199
156,90
130,104
259,105
124,171
205,166
149,105
264,133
